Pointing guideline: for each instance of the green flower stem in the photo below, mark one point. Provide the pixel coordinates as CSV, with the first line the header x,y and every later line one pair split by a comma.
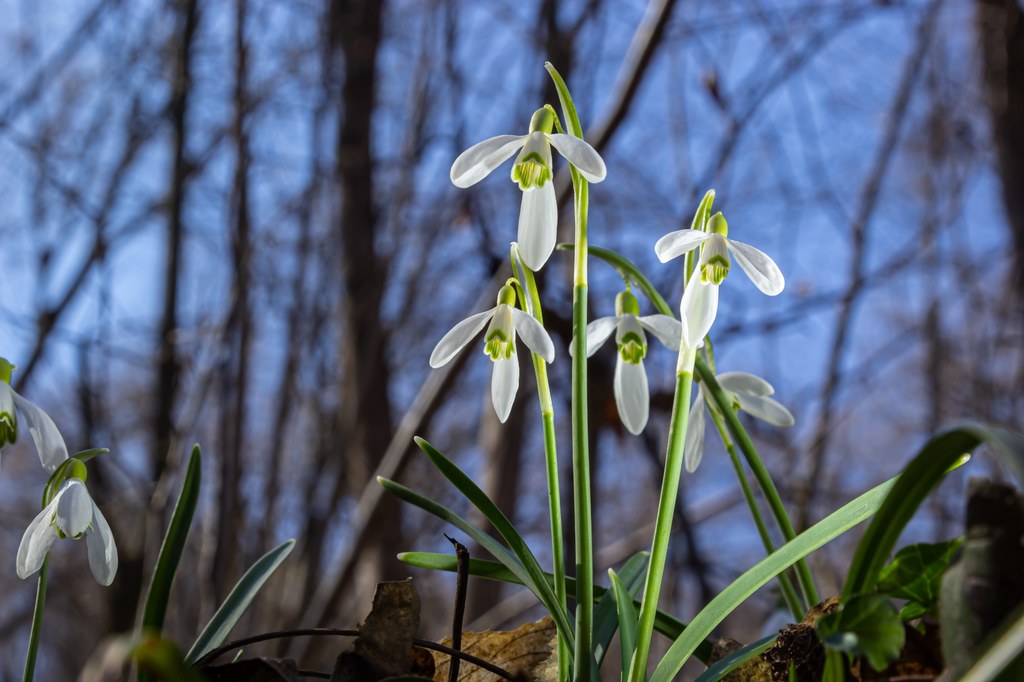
x,y
788,591
764,479
37,622
666,512
580,445
547,413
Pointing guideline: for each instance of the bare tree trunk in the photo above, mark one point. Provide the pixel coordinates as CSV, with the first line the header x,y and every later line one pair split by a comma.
x,y
239,329
1001,34
129,583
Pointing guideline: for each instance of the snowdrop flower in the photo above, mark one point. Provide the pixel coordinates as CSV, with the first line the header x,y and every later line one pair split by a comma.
x,y
48,441
632,397
746,392
500,344
700,299
538,215
71,514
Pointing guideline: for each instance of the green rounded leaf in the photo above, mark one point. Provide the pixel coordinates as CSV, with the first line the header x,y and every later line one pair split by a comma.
x,y
867,626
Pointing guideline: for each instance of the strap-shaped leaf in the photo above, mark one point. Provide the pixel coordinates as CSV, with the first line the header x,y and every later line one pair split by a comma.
x,y
920,476
627,621
173,546
542,588
238,600
479,499
831,527
667,625
727,664
606,613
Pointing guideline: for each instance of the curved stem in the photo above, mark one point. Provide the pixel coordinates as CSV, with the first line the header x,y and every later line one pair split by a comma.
x,y
666,513
788,591
764,479
37,622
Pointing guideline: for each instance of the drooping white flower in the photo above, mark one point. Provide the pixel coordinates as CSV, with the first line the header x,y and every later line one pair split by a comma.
x,y
71,514
500,344
538,215
747,392
700,298
49,443
632,397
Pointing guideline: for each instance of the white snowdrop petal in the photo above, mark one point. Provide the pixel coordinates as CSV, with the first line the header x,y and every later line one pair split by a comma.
x,y
538,225
766,409
533,334
693,448
504,384
73,513
457,338
580,154
49,443
36,542
598,332
744,382
760,268
632,397
476,163
699,308
102,550
675,244
666,328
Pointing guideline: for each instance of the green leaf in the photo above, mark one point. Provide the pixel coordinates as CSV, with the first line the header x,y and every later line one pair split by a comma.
x,y
667,625
942,453
912,610
785,556
478,498
565,99
727,664
627,621
868,625
242,594
915,574
542,588
172,547
606,616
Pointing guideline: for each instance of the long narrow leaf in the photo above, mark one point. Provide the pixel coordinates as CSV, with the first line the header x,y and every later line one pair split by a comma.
x,y
238,600
173,546
606,617
740,589
541,589
478,498
627,621
912,486
669,626
727,664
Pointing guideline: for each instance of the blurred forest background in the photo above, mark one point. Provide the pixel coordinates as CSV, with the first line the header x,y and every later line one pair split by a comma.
x,y
230,222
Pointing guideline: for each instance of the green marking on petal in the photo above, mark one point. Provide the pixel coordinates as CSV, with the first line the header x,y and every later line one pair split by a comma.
x,y
632,348
714,271
531,172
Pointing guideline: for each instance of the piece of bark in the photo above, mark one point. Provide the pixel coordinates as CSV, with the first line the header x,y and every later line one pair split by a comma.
x,y
528,653
982,586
